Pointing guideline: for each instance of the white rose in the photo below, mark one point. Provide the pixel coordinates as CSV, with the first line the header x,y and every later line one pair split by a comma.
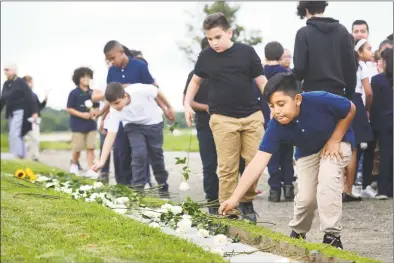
x,y
184,186
184,225
88,104
152,214
120,211
154,225
186,217
218,251
203,233
176,210
86,187
67,190
122,200
167,207
42,178
221,239
98,185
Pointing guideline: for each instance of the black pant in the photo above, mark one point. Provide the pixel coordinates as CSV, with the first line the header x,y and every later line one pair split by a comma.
x,y
368,162
280,167
208,156
385,178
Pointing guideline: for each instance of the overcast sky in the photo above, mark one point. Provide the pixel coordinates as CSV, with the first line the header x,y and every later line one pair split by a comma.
x,y
48,40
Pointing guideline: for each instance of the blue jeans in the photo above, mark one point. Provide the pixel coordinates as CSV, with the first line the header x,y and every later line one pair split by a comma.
x,y
16,142
280,167
208,156
105,168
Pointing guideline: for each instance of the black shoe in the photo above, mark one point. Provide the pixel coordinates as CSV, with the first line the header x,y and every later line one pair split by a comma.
x,y
163,191
333,241
288,192
274,196
36,160
350,198
247,211
295,235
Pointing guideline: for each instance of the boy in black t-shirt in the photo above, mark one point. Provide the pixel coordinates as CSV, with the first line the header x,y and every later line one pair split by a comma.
x,y
236,119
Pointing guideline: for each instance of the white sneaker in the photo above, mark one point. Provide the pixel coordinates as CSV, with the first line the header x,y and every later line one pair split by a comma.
x,y
356,191
382,197
74,169
368,192
147,186
92,174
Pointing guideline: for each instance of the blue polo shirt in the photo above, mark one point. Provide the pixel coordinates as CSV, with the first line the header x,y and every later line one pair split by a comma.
x,y
135,71
319,114
76,100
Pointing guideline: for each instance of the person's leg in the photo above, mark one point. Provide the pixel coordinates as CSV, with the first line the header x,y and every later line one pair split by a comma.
x,y
138,144
78,144
209,160
368,159
287,152
90,147
105,168
34,146
16,142
329,194
275,175
349,180
305,202
385,140
154,139
122,157
228,146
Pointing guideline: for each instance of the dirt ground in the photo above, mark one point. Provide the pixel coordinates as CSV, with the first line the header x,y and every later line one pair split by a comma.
x,y
367,225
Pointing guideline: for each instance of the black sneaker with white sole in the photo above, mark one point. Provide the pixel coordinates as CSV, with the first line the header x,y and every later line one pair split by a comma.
x,y
247,211
333,240
295,235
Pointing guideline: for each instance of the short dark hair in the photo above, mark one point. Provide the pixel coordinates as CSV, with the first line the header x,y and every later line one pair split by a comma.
x,y
81,72
314,7
359,23
28,78
282,82
390,37
216,20
204,43
273,50
384,42
111,45
136,53
114,91
387,56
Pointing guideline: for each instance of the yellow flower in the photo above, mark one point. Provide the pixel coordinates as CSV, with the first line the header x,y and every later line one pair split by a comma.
x,y
20,174
30,175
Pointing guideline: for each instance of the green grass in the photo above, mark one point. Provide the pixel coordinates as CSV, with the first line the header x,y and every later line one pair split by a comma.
x,y
36,229
171,143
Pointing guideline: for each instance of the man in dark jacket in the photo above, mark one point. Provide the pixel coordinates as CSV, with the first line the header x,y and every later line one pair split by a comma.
x,y
20,105
323,52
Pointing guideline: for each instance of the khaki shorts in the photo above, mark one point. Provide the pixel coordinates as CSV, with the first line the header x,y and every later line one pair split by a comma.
x,y
83,140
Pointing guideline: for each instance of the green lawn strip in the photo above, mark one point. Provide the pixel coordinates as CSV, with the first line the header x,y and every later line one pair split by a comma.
x,y
171,143
38,229
257,231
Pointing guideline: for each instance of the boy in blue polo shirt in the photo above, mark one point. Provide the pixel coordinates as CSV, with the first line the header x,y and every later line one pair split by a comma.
x,y
82,119
318,124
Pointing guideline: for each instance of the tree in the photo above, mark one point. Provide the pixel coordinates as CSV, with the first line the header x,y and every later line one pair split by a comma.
x,y
196,34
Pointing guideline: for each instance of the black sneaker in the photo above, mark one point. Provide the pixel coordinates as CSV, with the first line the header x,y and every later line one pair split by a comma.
x,y
247,211
333,241
274,196
288,192
163,191
295,235
350,198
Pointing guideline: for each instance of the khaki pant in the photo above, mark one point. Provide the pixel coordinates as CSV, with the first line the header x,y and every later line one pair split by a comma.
x,y
234,138
319,186
84,140
33,141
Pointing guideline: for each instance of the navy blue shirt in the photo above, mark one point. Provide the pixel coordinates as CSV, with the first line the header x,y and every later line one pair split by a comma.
x,y
382,103
309,132
76,100
135,71
272,70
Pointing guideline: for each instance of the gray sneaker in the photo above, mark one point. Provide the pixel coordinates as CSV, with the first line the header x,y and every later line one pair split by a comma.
x,y
247,211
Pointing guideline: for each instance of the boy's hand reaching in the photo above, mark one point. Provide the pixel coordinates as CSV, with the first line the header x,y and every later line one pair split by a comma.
x,y
97,166
332,149
228,206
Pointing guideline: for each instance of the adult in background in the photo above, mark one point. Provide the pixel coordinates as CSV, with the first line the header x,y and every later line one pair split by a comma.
x,y
286,59
20,105
33,136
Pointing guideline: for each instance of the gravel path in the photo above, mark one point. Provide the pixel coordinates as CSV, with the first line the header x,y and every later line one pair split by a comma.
x,y
368,225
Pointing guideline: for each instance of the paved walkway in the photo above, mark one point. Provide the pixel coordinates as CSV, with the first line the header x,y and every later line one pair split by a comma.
x,y
368,225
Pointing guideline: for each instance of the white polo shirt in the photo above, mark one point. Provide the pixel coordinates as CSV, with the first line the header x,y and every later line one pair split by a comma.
x,y
142,108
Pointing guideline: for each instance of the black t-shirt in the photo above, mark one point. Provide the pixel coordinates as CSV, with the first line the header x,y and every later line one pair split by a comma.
x,y
230,75
202,94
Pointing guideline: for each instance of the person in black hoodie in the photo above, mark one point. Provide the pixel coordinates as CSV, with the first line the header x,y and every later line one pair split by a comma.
x,y
323,52
20,105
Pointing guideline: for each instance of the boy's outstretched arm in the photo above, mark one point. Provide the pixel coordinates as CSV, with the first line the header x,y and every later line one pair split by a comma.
x,y
251,174
107,148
